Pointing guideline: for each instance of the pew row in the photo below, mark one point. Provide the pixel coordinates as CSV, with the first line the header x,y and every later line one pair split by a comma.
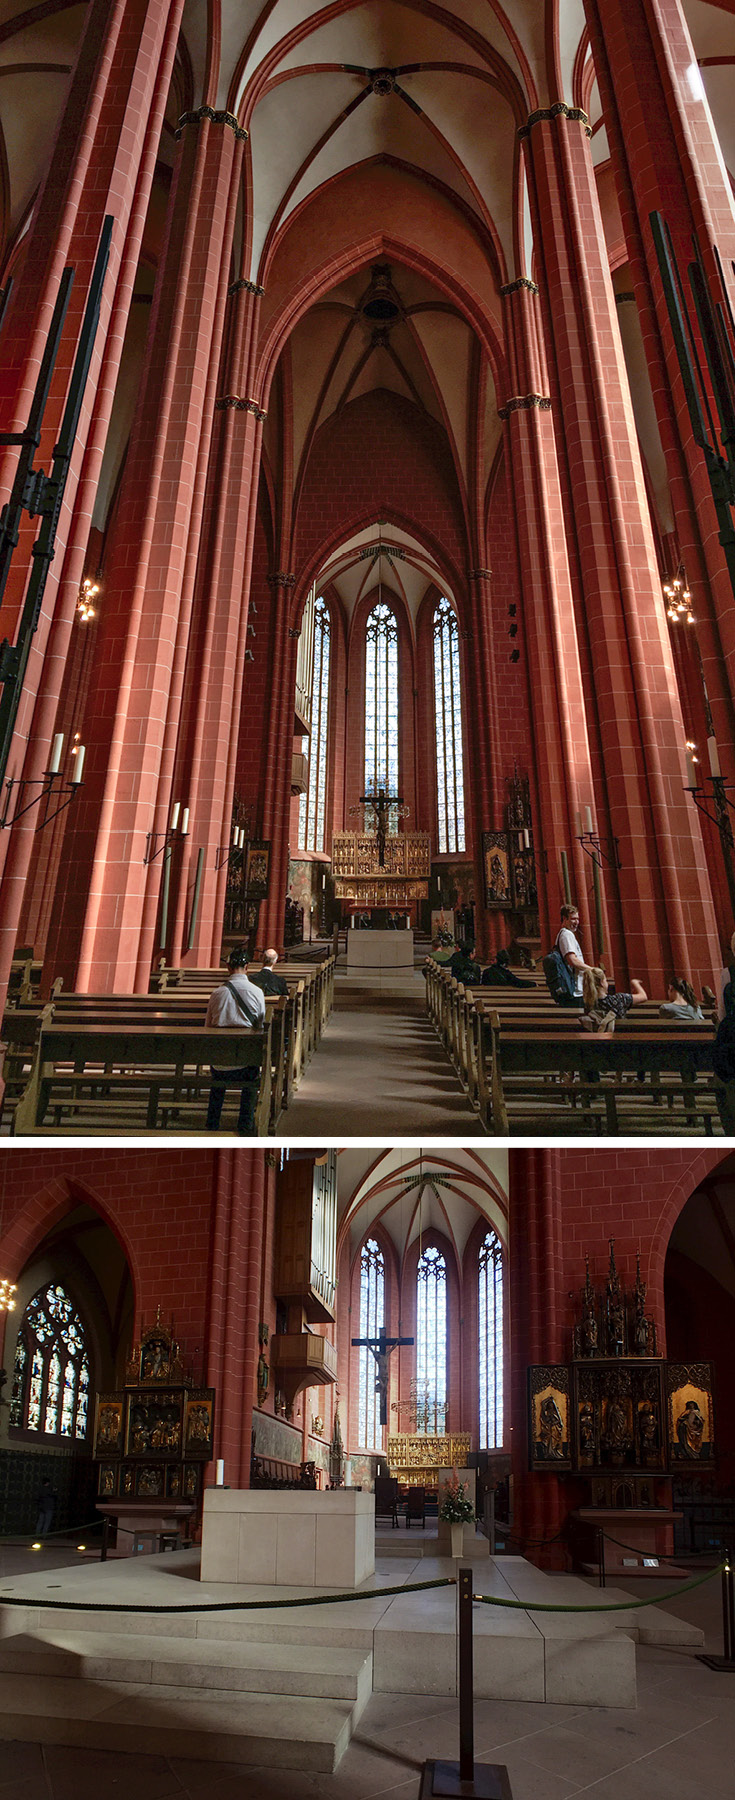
x,y
295,1022
529,1066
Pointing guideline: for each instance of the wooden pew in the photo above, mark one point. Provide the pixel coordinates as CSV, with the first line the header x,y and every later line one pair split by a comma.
x,y
108,1077
511,1046
651,1076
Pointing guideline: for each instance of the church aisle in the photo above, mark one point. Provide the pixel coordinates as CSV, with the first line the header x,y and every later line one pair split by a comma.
x,y
380,1068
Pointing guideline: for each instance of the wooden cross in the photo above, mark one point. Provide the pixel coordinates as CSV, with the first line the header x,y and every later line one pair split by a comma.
x,y
381,1347
381,804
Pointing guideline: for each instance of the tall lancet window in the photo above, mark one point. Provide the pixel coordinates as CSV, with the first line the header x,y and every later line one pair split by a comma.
x,y
51,1372
381,700
372,1317
312,805
431,1342
448,716
491,1342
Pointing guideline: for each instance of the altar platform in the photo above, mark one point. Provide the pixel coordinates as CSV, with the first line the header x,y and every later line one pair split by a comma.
x,y
281,1689
380,949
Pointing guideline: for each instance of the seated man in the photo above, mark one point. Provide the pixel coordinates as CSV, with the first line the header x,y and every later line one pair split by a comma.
x,y
236,1002
500,974
463,966
266,978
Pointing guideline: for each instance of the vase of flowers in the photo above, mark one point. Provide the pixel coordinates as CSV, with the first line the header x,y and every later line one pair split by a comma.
x,y
456,1510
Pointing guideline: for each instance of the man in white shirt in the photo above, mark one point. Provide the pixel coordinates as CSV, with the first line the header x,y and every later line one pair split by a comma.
x,y
236,1002
570,948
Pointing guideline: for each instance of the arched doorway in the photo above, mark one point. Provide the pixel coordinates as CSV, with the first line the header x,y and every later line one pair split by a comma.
x,y
65,1342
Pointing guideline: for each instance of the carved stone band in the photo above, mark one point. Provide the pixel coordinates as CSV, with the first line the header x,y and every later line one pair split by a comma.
x,y
217,118
232,403
281,580
244,287
479,574
514,287
558,111
524,403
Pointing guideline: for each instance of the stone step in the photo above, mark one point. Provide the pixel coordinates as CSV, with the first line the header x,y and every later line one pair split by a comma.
x,y
261,1730
316,1671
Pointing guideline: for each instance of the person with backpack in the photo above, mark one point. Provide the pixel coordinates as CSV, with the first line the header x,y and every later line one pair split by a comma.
x,y
237,1002
564,966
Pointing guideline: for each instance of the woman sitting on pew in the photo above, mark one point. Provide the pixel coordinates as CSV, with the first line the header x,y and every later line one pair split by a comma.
x,y
680,1002
601,1008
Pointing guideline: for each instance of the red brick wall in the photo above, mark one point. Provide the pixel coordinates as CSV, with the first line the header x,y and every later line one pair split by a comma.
x,y
158,1204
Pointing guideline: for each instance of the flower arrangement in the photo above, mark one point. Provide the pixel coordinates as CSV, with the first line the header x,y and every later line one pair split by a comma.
x,y
456,1507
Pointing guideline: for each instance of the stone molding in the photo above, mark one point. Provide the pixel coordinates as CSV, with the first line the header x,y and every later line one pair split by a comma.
x,y
244,287
479,574
232,403
515,287
622,298
280,579
524,403
216,118
559,110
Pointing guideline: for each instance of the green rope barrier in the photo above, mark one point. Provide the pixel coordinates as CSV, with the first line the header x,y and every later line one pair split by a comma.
x,y
215,1606
610,1606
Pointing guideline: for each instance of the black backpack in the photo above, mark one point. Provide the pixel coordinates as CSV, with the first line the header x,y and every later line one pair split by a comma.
x,y
561,981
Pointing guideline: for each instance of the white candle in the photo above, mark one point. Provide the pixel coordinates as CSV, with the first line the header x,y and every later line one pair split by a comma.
x,y
219,1479
526,840
78,765
58,745
714,761
691,770
242,837
235,836
185,822
588,819
175,814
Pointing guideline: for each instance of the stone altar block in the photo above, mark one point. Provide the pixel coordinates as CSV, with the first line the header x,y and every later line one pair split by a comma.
x,y
288,1537
380,949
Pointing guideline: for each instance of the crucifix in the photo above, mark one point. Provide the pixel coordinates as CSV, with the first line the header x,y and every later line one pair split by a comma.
x,y
381,1347
381,804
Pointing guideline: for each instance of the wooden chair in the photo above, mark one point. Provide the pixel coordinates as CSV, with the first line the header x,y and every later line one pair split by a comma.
x,y
386,1498
416,1506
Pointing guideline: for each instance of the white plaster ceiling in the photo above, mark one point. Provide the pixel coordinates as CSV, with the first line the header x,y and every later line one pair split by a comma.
x,y
395,1188
406,574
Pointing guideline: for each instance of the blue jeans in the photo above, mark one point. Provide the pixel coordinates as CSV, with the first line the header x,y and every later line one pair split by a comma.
x,y
247,1081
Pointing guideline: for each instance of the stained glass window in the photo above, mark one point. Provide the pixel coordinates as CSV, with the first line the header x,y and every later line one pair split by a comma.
x,y
448,716
372,1317
312,804
431,1341
491,1342
381,701
51,1371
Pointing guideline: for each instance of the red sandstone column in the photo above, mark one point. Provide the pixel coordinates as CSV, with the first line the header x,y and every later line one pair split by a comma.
x,y
214,680
668,916
277,796
486,796
135,698
244,1180
104,161
562,750
536,1336
666,158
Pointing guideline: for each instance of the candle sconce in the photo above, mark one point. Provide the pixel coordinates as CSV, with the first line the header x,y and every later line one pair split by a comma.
x,y
52,784
168,837
593,847
722,805
229,853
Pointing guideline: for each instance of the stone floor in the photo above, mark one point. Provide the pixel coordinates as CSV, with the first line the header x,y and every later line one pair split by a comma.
x,y
380,1068
678,1744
